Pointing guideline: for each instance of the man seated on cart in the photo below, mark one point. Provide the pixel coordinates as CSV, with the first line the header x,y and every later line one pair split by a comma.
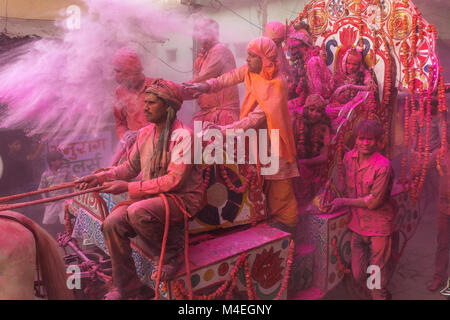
x,y
164,170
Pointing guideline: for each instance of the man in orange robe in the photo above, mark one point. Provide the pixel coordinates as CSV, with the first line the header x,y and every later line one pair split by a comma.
x,y
265,106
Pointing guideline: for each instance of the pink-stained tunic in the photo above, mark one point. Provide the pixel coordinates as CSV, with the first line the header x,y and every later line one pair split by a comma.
x,y
183,179
373,182
320,78
257,120
129,108
220,107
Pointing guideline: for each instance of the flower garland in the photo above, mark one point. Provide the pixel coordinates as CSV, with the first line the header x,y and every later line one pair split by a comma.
x,y
181,293
427,145
340,153
207,178
418,171
420,26
301,150
370,112
360,24
227,287
414,36
388,75
406,143
443,111
341,265
230,184
288,271
313,24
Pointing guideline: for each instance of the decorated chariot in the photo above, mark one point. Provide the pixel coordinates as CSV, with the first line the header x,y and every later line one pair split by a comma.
x,y
233,252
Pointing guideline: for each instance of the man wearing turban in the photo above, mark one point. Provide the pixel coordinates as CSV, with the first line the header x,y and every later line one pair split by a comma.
x,y
265,107
214,59
164,170
276,31
309,71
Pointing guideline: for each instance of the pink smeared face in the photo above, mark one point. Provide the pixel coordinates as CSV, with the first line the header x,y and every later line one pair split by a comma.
x,y
366,145
297,48
128,78
315,113
205,36
352,64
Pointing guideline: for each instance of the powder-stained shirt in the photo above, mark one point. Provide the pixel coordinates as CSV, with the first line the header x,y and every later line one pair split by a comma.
x,y
320,79
221,107
129,108
50,178
372,181
182,178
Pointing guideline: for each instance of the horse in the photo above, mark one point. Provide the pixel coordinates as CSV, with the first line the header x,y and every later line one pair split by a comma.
x,y
24,248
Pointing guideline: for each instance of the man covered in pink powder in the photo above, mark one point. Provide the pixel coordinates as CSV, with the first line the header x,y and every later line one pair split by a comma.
x,y
165,170
214,59
276,31
310,74
129,97
368,179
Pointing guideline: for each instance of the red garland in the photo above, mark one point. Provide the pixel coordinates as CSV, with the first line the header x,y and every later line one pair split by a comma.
x,y
230,184
227,287
341,266
405,143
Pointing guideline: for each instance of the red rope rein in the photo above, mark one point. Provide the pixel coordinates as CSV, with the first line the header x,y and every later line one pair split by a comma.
x,y
32,193
51,199
180,204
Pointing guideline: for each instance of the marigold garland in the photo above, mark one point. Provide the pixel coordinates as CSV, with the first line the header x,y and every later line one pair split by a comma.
x,y
406,143
442,108
414,36
227,287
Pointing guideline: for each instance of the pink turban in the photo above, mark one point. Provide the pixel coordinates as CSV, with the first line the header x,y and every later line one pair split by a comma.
x,y
267,50
127,59
275,30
